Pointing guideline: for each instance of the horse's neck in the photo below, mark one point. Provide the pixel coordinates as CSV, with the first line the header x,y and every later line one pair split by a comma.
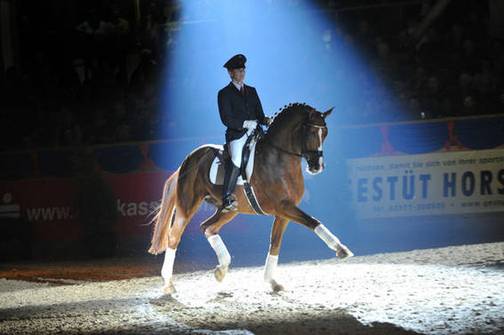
x,y
288,141
286,137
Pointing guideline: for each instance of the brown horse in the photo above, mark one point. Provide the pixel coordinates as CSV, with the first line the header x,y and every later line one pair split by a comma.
x,y
297,131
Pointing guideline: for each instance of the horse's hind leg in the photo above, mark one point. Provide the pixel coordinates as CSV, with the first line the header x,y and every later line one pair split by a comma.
x,y
180,221
211,227
175,232
277,232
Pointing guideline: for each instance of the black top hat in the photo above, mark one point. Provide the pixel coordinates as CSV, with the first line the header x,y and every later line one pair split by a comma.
x,y
236,62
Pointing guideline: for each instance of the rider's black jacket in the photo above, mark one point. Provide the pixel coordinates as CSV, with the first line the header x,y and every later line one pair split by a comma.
x,y
234,108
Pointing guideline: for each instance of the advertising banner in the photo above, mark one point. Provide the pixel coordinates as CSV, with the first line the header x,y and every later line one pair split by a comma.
x,y
427,184
61,208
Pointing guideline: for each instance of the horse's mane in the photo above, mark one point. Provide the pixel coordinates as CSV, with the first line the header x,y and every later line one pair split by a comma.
x,y
288,114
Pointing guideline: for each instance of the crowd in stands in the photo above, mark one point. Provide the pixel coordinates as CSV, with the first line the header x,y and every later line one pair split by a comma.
x,y
91,82
95,80
456,69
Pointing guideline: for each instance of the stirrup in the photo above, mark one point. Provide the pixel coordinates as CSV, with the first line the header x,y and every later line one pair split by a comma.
x,y
231,206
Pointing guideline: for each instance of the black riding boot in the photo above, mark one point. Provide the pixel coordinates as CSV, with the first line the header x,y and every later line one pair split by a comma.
x,y
231,174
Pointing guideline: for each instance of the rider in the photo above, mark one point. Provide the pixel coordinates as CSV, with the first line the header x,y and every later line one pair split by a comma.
x,y
240,110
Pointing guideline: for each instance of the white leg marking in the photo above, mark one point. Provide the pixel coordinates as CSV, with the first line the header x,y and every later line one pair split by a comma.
x,y
332,241
167,269
220,250
270,267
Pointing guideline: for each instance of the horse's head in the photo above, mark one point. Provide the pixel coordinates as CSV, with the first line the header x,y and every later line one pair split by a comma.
x,y
300,130
313,132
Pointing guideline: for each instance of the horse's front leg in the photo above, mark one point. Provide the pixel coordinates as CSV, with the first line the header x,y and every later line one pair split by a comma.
x,y
290,211
211,227
272,259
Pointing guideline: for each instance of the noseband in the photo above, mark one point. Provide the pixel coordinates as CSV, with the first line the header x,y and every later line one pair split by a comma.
x,y
304,153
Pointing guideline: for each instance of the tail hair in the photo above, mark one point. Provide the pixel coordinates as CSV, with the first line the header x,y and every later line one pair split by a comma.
x,y
164,215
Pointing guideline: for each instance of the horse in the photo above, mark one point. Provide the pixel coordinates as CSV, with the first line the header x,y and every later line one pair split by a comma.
x,y
297,131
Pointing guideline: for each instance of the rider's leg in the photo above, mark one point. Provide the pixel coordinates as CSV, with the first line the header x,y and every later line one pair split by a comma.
x,y
291,212
236,149
232,172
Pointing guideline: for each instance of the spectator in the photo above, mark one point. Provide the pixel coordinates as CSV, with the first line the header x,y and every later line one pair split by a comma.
x,y
96,82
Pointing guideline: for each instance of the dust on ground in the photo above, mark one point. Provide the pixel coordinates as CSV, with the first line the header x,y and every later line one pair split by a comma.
x,y
454,290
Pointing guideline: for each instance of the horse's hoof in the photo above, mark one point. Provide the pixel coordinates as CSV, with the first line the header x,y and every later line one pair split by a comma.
x,y
343,252
169,288
276,287
220,272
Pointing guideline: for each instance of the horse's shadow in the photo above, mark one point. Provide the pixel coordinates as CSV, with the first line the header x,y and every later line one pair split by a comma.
x,y
166,300
221,296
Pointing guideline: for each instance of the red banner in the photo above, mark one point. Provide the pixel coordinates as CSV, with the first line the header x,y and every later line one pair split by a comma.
x,y
53,206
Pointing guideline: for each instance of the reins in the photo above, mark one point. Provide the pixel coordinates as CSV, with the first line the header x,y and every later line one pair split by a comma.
x,y
268,141
303,152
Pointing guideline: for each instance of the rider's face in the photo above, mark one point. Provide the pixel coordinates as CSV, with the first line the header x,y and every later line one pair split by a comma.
x,y
237,75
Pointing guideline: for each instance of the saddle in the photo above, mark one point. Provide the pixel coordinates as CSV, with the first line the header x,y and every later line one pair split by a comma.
x,y
222,160
248,148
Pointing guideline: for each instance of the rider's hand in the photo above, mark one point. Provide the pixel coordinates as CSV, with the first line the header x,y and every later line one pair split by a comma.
x,y
250,124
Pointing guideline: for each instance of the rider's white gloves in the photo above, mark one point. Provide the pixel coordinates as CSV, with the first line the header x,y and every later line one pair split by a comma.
x,y
250,124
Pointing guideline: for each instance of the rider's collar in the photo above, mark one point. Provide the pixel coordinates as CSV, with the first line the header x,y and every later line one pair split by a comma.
x,y
238,87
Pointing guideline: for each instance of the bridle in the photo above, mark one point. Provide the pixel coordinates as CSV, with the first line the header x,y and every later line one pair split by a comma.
x,y
304,153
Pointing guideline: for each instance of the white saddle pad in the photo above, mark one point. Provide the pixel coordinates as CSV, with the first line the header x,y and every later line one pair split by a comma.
x,y
216,173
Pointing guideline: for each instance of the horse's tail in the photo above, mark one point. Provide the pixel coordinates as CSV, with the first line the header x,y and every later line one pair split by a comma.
x,y
164,216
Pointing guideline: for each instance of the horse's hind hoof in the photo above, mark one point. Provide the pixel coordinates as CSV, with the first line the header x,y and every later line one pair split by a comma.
x,y
276,287
220,272
169,288
343,252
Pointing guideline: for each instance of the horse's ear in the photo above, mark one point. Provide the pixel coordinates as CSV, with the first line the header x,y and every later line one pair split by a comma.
x,y
327,112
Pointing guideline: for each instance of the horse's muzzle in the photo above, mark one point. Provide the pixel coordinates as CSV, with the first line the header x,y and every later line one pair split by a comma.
x,y
314,168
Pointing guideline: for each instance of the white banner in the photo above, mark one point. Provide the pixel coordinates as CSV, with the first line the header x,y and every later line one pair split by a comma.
x,y
428,184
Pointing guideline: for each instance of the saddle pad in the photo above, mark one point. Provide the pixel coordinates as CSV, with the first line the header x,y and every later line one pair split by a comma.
x,y
216,173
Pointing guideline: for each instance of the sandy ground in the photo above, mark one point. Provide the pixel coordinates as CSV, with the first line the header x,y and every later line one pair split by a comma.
x,y
454,290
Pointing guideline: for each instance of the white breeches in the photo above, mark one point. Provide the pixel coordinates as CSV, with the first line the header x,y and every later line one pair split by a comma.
x,y
236,149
